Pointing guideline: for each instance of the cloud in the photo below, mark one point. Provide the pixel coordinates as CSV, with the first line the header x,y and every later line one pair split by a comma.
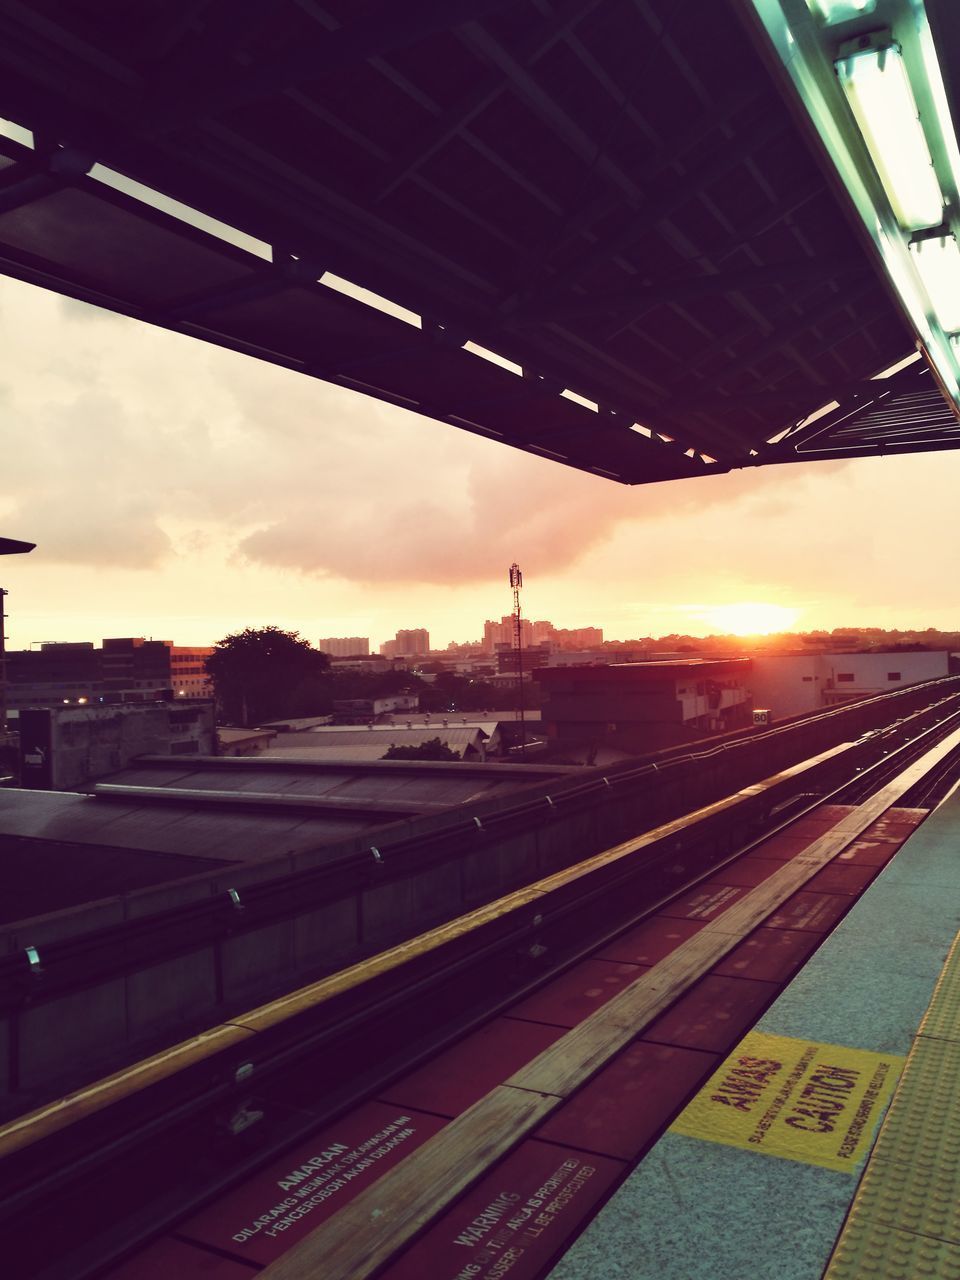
x,y
122,429
432,527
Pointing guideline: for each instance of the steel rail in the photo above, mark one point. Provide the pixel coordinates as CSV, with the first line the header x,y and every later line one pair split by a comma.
x,y
878,770
238,1030
145,941
366,1235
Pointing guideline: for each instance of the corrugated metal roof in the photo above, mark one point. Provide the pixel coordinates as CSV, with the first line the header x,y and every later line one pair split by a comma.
x,y
379,738
244,735
357,752
297,724
175,828
612,199
219,812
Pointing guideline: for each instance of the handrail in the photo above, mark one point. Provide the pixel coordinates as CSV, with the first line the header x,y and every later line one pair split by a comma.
x,y
361,1239
57,1115
129,945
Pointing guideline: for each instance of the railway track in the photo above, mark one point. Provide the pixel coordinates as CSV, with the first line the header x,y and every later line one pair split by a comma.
x,y
167,1136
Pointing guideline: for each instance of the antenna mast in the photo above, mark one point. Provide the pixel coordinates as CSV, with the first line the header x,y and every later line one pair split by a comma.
x,y
516,582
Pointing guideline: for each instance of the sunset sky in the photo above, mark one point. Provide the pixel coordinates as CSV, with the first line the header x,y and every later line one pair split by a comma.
x,y
179,491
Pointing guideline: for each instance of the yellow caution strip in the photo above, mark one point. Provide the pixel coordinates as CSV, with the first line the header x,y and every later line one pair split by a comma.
x,y
905,1217
796,1099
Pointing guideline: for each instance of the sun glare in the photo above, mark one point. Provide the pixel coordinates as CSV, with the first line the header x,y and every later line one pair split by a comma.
x,y
750,619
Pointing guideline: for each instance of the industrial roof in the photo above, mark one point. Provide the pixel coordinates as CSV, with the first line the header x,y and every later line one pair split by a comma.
x,y
487,719
166,818
394,788
621,673
295,725
384,734
593,229
49,863
374,741
184,828
355,753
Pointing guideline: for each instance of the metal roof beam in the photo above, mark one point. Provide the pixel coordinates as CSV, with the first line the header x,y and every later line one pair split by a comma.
x,y
774,335
384,27
908,383
780,398
650,211
659,164
785,336
450,123
647,295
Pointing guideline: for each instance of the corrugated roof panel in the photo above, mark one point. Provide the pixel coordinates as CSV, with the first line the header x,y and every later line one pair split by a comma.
x,y
590,193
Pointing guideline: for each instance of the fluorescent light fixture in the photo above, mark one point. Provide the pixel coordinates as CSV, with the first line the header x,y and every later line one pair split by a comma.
x,y
883,104
938,94
899,264
938,264
841,10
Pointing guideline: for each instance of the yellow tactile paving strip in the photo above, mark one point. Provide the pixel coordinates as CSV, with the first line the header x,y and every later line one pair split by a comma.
x,y
942,1019
885,1254
904,1223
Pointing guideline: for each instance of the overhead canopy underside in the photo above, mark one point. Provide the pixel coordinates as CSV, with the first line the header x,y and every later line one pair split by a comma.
x,y
613,195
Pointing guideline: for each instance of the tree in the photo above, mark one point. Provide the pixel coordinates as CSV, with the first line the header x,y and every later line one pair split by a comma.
x,y
432,749
261,673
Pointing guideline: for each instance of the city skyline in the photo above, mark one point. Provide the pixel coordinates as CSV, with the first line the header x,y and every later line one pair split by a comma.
x,y
238,494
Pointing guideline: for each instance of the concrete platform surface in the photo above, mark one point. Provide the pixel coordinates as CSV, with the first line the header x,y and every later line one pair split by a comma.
x,y
760,1172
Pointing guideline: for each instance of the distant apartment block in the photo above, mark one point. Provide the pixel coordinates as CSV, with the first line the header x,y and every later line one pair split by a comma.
x,y
578,637
128,669
504,633
345,646
538,633
413,643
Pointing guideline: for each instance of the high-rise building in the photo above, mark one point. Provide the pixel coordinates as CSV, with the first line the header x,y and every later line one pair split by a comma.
x,y
504,632
345,646
578,637
413,643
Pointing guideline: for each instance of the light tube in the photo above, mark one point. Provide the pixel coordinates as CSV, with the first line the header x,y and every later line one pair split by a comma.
x,y
882,102
938,263
834,11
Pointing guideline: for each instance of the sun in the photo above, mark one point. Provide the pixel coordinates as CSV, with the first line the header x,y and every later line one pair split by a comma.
x,y
750,618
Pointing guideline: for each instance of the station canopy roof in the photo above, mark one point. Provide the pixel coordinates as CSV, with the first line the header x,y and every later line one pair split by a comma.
x,y
603,231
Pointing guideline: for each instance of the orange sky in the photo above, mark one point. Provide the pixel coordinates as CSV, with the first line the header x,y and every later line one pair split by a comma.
x,y
181,491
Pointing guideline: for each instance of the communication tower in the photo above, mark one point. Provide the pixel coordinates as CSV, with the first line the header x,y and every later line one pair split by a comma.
x,y
516,582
